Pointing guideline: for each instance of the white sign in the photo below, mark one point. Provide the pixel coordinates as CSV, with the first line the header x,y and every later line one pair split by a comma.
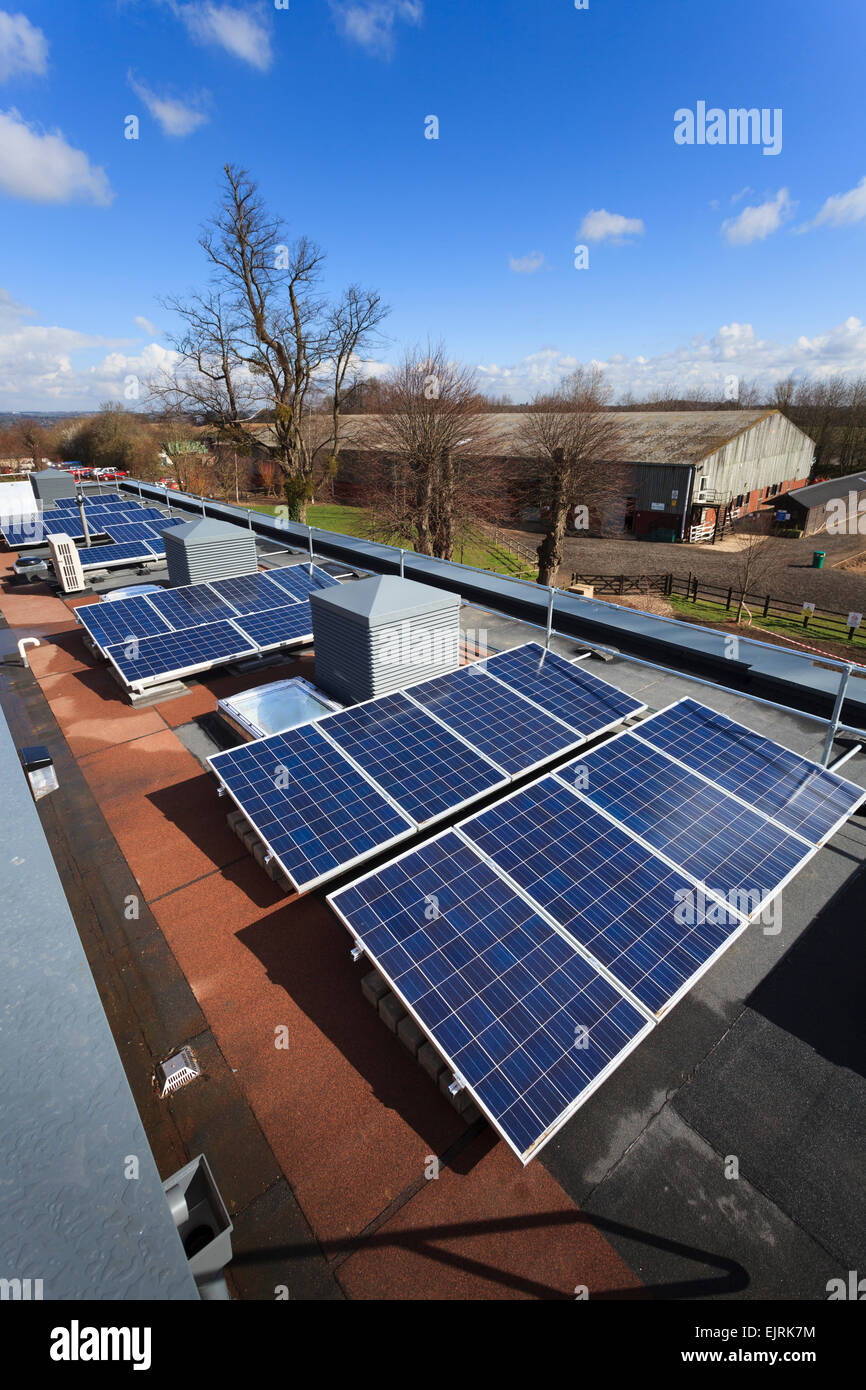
x,y
657,506
855,619
675,494
808,608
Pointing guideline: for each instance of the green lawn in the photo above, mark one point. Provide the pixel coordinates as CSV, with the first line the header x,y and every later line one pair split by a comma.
x,y
709,613
473,549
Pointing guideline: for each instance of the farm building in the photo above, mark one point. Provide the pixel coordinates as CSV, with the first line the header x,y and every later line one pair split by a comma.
x,y
837,506
682,474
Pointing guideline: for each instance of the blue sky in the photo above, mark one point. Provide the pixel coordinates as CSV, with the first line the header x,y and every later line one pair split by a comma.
x,y
556,128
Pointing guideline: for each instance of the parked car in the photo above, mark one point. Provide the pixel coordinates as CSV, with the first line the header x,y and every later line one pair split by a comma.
x,y
170,483
112,475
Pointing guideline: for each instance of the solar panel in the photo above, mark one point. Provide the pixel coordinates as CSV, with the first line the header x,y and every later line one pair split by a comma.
x,y
797,793
107,555
276,627
149,514
733,850
132,531
22,531
530,1026
495,719
191,604
314,811
641,920
251,593
299,582
563,688
424,767
111,623
147,659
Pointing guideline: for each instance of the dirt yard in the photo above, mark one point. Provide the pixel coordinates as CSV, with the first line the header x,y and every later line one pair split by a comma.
x,y
832,588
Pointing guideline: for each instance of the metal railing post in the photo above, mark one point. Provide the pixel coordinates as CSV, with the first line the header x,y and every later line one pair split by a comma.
x,y
550,599
402,558
837,715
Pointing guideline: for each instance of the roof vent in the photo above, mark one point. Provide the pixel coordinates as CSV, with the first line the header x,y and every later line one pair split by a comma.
x,y
177,1071
380,635
207,549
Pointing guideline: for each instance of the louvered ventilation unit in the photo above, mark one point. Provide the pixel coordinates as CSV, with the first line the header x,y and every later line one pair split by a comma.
x,y
380,635
206,549
67,564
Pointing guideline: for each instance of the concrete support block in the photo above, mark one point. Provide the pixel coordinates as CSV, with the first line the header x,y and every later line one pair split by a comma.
x,y
391,1011
373,988
431,1061
410,1034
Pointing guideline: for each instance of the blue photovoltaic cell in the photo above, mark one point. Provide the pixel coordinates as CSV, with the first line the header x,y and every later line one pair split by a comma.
x,y
297,580
251,593
563,688
21,531
502,995
156,547
730,848
103,555
413,758
191,604
276,626
315,811
495,719
149,514
797,793
110,623
177,652
132,531
642,920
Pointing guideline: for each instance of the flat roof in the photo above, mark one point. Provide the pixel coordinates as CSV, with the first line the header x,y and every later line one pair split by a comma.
x,y
762,1060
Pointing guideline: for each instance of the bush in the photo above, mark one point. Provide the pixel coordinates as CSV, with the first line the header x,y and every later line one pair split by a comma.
x,y
791,532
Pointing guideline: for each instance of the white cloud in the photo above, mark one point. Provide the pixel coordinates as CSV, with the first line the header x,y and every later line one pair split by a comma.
x,y
53,367
174,117
240,31
23,47
842,210
756,223
736,197
44,168
526,265
371,23
600,225
146,326
701,363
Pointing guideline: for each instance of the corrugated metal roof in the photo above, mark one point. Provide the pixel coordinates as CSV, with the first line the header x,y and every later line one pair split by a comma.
x,y
818,494
648,436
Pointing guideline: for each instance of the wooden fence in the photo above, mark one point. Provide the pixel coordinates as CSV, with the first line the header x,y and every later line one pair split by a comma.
x,y
824,622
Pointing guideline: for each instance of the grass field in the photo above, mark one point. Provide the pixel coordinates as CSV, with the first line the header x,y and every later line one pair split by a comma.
x,y
710,614
472,549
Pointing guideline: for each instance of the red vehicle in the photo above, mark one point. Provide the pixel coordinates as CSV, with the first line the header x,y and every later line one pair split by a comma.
x,y
110,475
170,483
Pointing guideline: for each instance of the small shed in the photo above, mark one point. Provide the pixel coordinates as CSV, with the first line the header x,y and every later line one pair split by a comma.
x,y
837,506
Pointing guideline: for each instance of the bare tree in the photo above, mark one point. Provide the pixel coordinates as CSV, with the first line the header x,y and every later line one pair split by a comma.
x,y
571,437
434,432
265,338
756,564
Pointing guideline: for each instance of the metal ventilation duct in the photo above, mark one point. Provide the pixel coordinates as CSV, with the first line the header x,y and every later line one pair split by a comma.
x,y
382,634
206,549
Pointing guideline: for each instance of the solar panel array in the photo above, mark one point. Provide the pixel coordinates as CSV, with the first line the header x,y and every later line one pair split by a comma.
x,y
434,748
641,870
123,522
176,632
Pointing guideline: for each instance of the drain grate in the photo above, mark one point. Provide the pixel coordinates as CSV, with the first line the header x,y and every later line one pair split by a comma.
x,y
177,1071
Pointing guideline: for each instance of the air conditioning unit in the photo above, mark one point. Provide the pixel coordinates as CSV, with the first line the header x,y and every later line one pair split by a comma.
x,y
67,564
